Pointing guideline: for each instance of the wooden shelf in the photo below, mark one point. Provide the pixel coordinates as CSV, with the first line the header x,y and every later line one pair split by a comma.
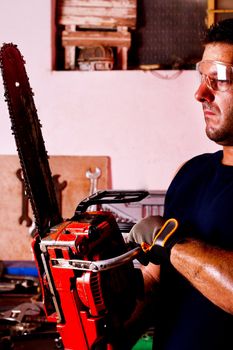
x,y
213,10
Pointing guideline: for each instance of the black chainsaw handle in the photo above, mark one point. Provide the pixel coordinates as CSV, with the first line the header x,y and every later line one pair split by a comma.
x,y
110,196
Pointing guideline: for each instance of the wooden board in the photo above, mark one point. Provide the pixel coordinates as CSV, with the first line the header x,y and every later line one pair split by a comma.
x,y
15,240
93,39
97,13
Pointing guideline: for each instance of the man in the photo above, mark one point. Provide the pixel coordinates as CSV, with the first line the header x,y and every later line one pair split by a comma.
x,y
195,273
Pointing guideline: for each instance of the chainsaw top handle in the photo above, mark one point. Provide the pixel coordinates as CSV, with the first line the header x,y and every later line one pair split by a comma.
x,y
110,196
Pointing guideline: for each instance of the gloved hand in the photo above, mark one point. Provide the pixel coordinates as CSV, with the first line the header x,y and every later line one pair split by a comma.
x,y
156,237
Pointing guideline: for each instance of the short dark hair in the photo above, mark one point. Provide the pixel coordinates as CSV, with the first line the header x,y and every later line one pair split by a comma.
x,y
221,31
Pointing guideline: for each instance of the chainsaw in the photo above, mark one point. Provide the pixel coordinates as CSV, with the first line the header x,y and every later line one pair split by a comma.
x,y
88,280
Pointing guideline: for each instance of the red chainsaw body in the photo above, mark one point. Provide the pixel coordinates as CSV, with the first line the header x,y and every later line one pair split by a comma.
x,y
88,307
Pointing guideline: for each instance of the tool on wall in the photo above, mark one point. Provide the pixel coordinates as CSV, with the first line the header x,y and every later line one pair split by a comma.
x,y
93,176
24,217
25,202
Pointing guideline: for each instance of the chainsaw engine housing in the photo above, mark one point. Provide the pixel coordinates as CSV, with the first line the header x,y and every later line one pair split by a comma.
x,y
79,298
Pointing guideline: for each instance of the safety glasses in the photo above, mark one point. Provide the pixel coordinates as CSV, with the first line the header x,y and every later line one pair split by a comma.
x,y
218,76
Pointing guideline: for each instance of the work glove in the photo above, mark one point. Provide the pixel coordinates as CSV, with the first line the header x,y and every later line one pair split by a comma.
x,y
156,236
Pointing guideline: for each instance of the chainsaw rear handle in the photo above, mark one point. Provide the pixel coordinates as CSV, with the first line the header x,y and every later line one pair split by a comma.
x,y
104,197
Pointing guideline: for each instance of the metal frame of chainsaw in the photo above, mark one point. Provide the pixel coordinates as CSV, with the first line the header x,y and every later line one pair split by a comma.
x,y
75,261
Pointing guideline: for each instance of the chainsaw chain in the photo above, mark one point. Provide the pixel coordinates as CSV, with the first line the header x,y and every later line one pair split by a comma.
x,y
30,145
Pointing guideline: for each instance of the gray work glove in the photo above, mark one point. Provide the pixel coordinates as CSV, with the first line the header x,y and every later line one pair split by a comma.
x,y
156,237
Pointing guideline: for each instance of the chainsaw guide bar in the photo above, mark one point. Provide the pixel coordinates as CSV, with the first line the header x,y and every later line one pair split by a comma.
x,y
30,145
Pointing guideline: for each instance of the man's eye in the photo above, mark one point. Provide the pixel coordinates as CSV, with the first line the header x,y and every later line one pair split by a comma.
x,y
213,82
222,82
220,85
223,85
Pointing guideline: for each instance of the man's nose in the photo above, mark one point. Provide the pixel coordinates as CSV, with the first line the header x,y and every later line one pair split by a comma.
x,y
204,93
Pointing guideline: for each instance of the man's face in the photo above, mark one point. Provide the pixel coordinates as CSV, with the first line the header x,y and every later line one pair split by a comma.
x,y
217,105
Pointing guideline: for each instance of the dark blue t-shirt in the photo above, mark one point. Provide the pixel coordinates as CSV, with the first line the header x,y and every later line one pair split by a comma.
x,y
201,198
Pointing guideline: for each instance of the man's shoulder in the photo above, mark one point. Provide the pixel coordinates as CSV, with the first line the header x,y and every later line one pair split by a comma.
x,y
198,164
193,172
202,159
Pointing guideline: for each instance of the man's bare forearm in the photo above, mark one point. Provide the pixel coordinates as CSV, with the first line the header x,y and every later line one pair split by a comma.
x,y
208,269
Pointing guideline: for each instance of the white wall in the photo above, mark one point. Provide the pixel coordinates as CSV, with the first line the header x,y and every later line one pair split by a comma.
x,y
147,125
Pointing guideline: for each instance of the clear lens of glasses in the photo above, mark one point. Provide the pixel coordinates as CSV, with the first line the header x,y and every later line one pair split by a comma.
x,y
218,76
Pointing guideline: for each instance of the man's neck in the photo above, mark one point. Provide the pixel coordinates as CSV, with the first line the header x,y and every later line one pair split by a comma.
x,y
227,155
